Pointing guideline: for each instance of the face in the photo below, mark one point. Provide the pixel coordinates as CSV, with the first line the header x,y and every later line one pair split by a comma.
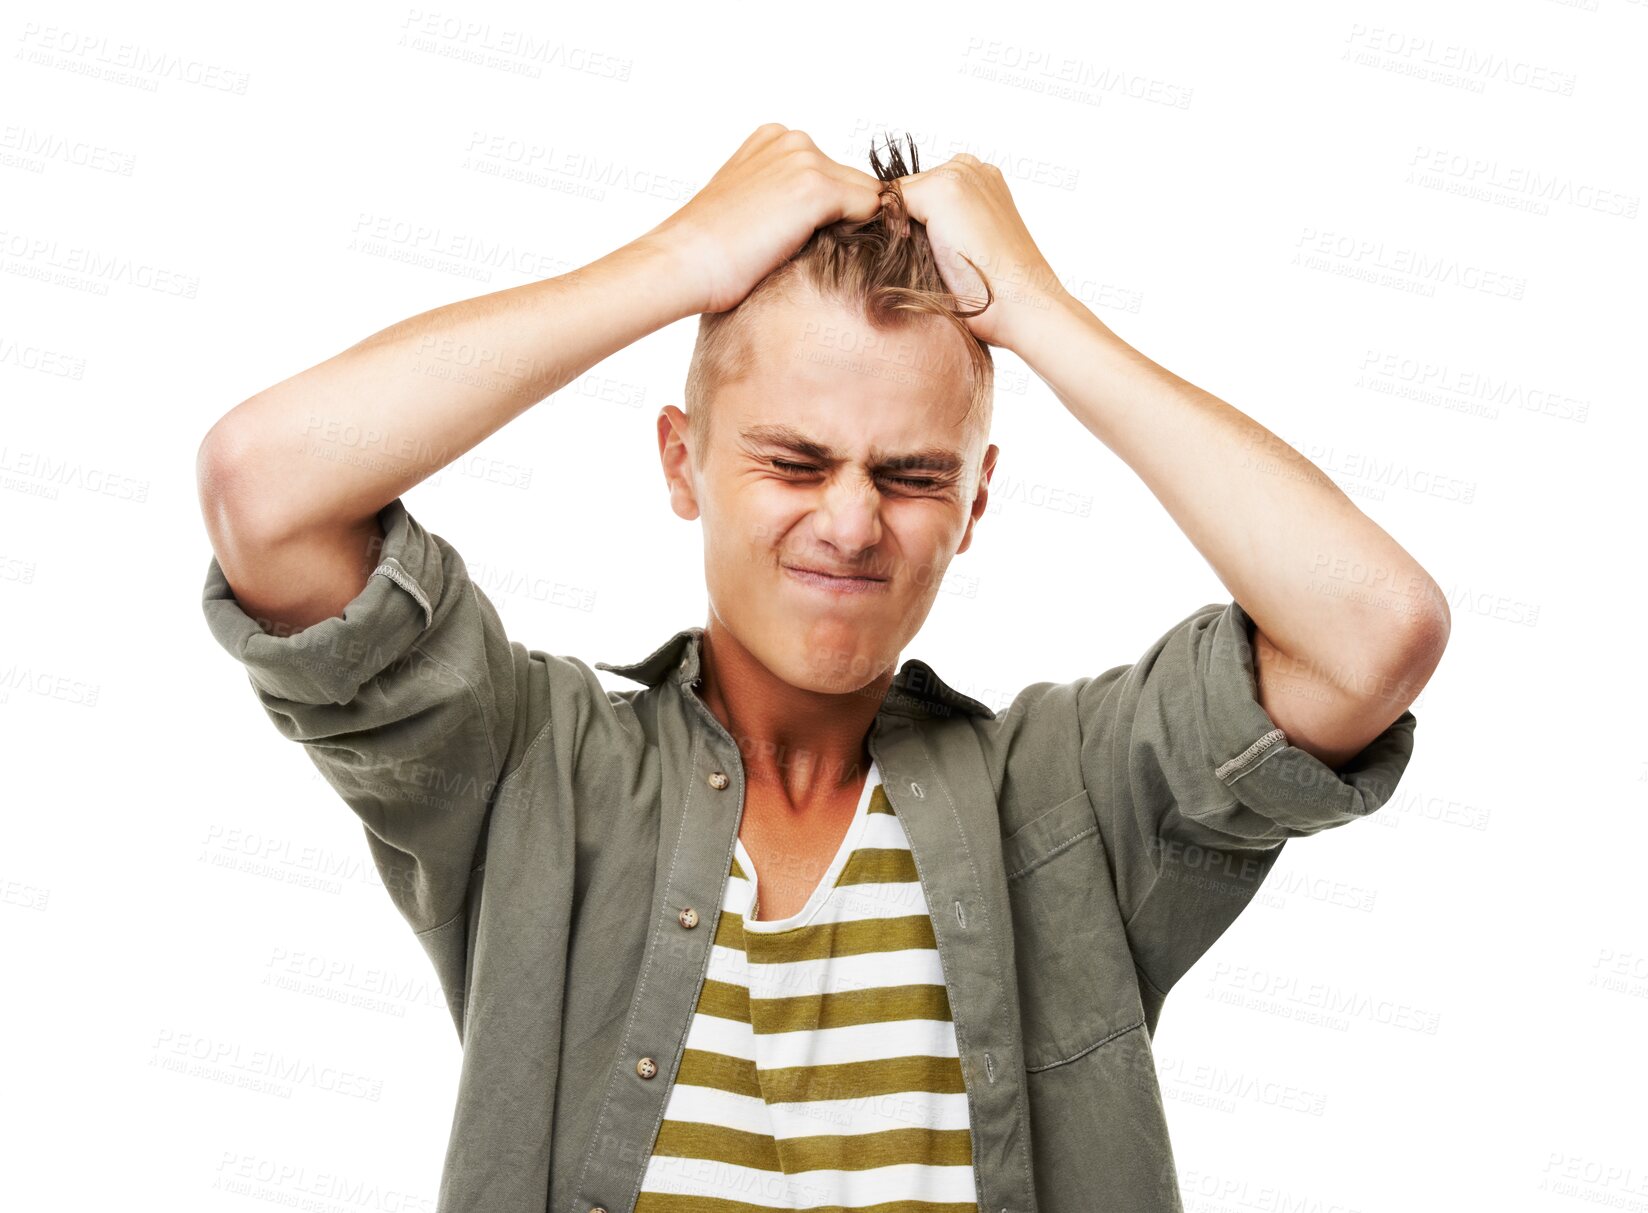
x,y
840,481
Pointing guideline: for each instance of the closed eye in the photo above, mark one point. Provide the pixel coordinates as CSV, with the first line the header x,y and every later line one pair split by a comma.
x,y
806,469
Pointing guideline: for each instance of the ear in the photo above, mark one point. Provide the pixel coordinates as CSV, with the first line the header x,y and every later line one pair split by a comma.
x,y
981,499
675,452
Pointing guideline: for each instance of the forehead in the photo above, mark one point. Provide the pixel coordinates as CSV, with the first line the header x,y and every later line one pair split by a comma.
x,y
824,369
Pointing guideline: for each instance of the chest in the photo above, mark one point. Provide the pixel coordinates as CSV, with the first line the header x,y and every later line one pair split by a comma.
x,y
791,850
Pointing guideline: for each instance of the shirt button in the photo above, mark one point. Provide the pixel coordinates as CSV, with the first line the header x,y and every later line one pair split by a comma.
x,y
719,780
688,917
646,1068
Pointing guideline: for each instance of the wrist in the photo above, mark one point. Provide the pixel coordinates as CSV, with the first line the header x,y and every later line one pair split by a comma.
x,y
674,269
1046,320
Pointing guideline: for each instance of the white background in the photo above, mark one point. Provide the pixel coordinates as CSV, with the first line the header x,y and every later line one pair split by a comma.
x,y
200,201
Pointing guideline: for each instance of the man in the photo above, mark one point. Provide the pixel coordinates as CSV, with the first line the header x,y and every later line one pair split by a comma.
x,y
783,928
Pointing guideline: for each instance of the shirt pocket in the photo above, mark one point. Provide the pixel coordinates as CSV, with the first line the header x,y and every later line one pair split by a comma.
x,y
1075,972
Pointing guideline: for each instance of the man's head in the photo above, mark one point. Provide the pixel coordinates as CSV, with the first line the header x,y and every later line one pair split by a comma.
x,y
837,421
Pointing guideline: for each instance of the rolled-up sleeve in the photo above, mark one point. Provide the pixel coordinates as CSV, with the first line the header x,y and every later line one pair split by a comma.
x,y
1196,788
410,704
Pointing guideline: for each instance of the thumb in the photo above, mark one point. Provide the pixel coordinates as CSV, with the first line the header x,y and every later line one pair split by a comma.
x,y
916,190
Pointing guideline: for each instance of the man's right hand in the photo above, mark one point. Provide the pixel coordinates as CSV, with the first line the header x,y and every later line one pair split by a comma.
x,y
761,206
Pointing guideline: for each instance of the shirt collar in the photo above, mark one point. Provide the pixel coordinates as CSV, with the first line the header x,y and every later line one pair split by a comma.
x,y
916,688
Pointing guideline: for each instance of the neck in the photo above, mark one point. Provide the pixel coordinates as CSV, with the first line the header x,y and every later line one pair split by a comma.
x,y
808,743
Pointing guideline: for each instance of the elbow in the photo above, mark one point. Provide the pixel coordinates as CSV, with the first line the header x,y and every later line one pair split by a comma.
x,y
236,510
1419,644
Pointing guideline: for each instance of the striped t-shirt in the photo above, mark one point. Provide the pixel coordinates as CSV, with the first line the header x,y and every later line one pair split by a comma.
x,y
820,1068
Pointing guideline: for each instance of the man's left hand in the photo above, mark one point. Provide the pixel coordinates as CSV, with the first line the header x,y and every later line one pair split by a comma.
x,y
968,212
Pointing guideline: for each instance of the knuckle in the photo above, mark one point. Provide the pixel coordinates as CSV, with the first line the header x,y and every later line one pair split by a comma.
x,y
813,178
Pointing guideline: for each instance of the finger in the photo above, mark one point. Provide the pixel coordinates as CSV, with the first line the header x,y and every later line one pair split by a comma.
x,y
860,193
921,190
757,139
918,195
764,134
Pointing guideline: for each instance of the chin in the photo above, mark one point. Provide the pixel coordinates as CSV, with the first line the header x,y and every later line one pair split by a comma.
x,y
835,659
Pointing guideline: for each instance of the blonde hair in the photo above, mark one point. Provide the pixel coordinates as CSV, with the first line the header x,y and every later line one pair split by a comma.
x,y
883,267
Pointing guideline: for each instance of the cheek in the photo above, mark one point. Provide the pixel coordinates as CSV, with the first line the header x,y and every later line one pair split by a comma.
x,y
928,549
931,532
746,530
762,517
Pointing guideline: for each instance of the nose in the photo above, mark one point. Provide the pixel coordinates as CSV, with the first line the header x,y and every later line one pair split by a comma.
x,y
848,519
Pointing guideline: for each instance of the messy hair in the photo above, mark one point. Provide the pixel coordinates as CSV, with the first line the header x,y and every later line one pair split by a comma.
x,y
883,266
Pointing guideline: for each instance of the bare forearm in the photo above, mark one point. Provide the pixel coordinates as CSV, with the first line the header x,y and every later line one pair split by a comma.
x,y
1322,580
329,447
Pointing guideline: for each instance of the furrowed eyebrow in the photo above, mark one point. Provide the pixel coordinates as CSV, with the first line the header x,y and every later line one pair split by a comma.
x,y
936,459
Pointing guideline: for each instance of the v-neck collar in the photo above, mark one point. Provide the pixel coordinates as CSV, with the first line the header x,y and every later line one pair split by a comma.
x,y
820,894
916,690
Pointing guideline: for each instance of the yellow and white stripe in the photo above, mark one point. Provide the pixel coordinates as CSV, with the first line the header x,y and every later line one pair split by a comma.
x,y
821,1069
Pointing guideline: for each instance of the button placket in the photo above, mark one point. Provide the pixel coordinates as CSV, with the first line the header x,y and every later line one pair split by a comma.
x,y
622,1118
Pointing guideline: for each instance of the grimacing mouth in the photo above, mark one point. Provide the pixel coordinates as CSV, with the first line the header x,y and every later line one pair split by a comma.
x,y
849,575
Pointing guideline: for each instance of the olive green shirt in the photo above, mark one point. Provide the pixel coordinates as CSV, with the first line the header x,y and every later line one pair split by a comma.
x,y
561,851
